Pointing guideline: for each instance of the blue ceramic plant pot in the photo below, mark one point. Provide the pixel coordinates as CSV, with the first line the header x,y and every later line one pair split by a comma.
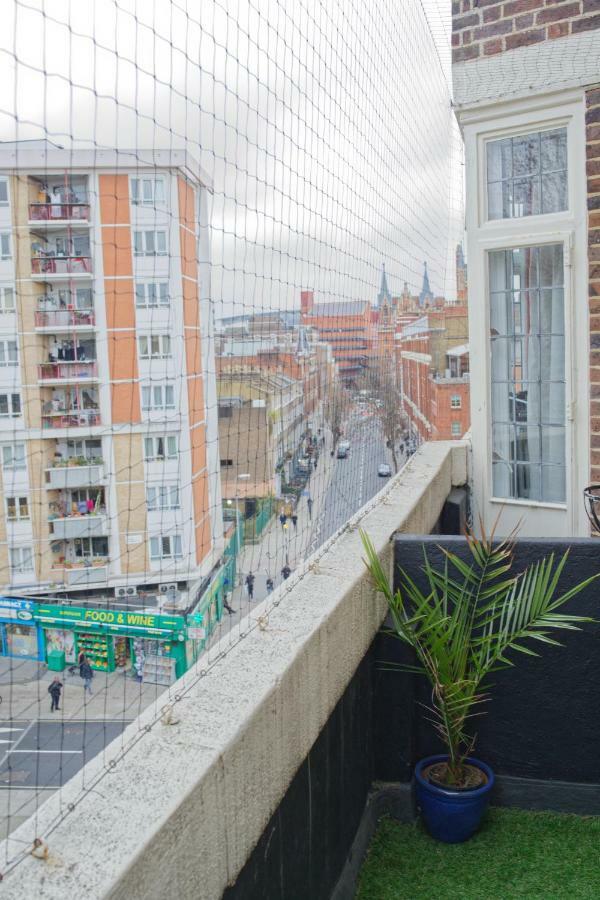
x,y
452,816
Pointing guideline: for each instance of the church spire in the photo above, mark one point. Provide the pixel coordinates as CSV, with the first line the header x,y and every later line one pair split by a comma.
x,y
384,293
426,294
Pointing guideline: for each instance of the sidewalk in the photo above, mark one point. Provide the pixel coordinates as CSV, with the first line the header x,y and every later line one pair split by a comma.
x,y
114,696
278,545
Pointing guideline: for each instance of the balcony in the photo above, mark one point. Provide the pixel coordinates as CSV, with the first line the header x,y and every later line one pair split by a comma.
x,y
73,371
80,575
341,732
56,320
70,418
69,527
59,213
50,267
75,475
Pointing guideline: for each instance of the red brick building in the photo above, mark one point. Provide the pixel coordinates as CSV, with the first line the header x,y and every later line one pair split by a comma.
x,y
433,373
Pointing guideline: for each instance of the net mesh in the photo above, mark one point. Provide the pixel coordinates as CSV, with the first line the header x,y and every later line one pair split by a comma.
x,y
215,221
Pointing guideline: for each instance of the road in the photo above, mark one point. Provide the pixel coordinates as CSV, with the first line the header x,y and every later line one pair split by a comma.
x,y
354,480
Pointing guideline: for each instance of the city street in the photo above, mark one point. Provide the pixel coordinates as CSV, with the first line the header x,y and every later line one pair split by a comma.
x,y
354,480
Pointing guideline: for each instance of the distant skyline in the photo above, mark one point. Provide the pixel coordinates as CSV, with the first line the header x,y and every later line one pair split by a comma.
x,y
326,128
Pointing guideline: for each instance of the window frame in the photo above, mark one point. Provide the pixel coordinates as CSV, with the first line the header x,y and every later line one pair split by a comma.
x,y
162,302
152,202
12,467
157,494
17,503
5,236
524,116
3,309
5,360
10,405
454,405
154,386
162,338
165,437
172,554
18,569
5,203
520,132
144,253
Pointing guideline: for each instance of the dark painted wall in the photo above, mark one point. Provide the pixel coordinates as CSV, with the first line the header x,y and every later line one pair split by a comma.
x,y
543,719
305,845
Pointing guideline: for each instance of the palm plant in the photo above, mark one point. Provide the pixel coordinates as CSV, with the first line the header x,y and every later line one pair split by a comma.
x,y
465,624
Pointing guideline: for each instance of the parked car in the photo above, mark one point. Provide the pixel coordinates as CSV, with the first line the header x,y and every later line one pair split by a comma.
x,y
384,470
342,453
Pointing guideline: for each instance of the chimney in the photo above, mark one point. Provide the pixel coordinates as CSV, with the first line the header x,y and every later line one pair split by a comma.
x,y
307,299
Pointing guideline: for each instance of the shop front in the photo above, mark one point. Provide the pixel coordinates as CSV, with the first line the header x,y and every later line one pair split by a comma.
x,y
152,647
20,635
203,620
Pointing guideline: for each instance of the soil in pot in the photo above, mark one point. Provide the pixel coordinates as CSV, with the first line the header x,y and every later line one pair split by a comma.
x,y
437,774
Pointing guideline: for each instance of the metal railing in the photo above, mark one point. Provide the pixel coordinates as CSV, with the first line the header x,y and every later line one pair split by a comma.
x,y
56,212
64,318
60,265
67,371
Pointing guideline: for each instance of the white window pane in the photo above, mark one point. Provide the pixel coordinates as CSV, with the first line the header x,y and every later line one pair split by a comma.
x,y
527,174
164,291
146,398
166,345
140,297
3,191
159,188
138,245
154,548
172,445
161,242
150,247
135,189
169,396
147,183
177,545
148,448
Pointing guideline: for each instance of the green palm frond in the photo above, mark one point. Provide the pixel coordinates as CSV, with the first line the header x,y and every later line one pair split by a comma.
x,y
473,619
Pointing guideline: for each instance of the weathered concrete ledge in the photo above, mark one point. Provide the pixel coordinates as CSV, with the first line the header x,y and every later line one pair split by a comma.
x,y
180,812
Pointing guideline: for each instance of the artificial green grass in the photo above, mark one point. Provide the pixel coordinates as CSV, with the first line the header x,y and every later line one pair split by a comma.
x,y
514,854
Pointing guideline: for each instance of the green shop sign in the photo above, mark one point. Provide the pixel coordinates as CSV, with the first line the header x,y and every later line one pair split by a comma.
x,y
109,620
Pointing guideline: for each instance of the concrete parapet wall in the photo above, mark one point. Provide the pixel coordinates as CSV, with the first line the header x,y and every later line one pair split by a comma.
x,y
179,814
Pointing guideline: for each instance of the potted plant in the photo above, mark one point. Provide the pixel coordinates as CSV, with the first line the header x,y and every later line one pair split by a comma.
x,y
462,628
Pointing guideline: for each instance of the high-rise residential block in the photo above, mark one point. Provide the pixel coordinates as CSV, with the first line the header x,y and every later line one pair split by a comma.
x,y
108,452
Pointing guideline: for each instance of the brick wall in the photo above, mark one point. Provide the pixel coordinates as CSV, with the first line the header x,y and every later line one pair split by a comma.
x,y
592,121
486,27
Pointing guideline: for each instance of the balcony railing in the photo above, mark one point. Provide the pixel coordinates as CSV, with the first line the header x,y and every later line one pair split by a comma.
x,y
78,526
56,212
64,318
70,418
74,476
61,265
75,370
71,573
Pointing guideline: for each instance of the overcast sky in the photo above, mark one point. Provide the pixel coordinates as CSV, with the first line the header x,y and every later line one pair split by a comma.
x,y
325,126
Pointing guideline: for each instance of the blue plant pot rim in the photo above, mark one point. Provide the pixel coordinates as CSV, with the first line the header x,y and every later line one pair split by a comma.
x,y
448,792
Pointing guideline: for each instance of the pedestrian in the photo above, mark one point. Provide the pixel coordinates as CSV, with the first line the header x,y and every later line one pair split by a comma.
x,y
294,520
309,503
286,572
250,584
80,660
227,606
54,689
315,463
283,519
85,670
270,585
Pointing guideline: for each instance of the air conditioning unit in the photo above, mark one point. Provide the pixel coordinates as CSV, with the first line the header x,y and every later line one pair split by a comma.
x,y
167,588
128,590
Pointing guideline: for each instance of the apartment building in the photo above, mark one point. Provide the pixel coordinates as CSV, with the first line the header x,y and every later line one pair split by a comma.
x,y
107,435
527,97
261,422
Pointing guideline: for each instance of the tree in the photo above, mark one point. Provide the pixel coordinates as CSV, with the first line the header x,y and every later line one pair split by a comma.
x,y
383,389
334,409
